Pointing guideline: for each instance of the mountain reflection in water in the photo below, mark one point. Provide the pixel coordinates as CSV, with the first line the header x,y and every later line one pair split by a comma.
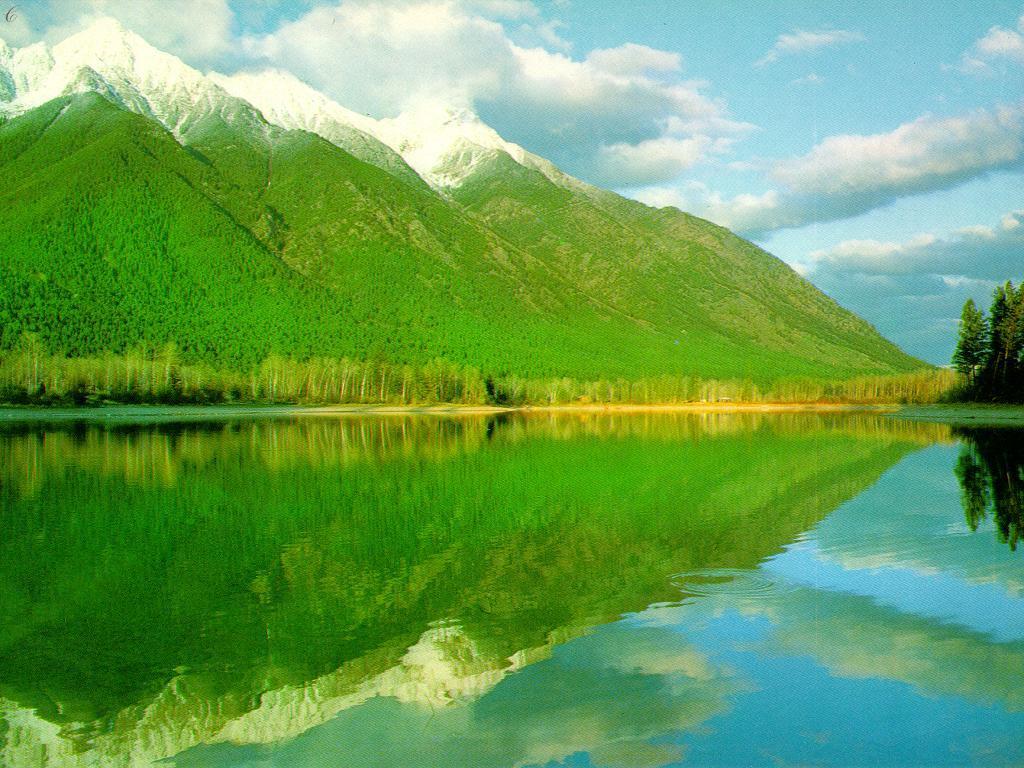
x,y
425,591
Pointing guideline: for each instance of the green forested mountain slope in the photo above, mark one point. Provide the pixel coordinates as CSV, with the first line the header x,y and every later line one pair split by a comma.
x,y
727,302
250,240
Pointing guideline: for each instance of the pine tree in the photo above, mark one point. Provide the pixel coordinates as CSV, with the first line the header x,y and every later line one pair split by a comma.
x,y
971,346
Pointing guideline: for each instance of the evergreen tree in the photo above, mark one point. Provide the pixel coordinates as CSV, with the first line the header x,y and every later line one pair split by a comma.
x,y
995,360
971,346
1006,341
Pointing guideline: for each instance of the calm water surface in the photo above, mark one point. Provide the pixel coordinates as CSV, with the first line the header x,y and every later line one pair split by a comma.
x,y
618,591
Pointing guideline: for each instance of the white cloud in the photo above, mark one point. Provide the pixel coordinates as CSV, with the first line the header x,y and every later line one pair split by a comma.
x,y
913,290
873,256
927,153
632,59
999,43
1012,220
848,175
379,57
197,30
743,213
977,230
801,41
665,158
544,34
978,252
595,115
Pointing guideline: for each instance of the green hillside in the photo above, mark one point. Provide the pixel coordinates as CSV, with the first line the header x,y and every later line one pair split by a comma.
x,y
731,306
249,241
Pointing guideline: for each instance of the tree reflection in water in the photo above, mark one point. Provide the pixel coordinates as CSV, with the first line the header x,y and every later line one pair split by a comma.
x,y
991,474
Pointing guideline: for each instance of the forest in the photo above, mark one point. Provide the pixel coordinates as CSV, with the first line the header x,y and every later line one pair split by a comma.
x,y
990,348
30,375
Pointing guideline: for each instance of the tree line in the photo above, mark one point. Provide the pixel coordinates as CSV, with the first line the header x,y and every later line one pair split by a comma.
x,y
29,374
990,348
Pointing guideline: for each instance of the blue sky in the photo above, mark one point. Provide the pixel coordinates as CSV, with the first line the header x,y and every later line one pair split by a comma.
x,y
877,147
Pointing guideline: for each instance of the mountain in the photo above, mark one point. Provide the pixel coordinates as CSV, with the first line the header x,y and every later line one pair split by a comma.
x,y
249,215
288,102
118,64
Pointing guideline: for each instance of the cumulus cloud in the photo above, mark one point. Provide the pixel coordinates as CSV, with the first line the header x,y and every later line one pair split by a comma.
x,y
745,213
380,57
664,158
999,43
197,30
928,153
632,59
979,252
592,115
912,291
848,175
802,41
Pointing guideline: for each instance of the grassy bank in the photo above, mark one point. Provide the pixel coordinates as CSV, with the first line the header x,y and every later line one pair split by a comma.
x,y
967,414
29,376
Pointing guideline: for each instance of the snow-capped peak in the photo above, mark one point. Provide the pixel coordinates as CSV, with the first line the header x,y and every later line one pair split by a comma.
x,y
441,143
287,101
444,144
107,57
108,42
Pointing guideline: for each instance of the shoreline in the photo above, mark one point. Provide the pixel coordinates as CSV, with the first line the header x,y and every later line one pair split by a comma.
x,y
136,413
965,414
978,415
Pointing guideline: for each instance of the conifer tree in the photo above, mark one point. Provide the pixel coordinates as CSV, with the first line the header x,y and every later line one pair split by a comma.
x,y
971,346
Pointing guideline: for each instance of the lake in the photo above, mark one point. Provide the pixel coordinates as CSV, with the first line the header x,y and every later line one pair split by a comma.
x,y
512,590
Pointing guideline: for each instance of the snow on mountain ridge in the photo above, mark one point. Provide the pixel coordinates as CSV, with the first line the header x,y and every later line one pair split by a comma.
x,y
441,144
444,145
107,58
286,101
432,142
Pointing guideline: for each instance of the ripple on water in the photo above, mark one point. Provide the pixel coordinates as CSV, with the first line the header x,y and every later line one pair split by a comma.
x,y
732,582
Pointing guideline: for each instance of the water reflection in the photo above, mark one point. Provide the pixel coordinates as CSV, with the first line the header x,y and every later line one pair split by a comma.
x,y
296,582
991,474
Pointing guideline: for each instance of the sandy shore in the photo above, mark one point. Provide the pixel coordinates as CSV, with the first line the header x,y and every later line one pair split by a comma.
x,y
158,413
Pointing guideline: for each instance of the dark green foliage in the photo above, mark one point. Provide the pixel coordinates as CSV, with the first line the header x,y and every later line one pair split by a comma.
x,y
251,242
991,353
970,346
991,474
